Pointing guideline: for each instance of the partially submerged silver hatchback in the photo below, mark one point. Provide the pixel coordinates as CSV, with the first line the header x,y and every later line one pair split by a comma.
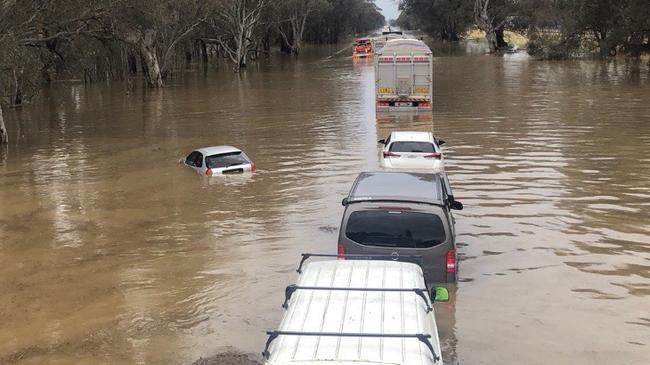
x,y
403,214
219,160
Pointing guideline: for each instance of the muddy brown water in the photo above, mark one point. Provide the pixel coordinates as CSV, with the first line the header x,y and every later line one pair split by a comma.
x,y
110,252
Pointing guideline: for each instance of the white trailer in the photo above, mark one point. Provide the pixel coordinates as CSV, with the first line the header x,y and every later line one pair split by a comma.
x,y
404,76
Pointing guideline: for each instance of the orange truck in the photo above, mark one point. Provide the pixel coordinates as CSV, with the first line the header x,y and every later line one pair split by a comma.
x,y
362,47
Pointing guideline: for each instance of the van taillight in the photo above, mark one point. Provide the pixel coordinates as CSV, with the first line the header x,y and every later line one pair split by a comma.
x,y
451,261
434,155
208,172
390,154
253,167
340,251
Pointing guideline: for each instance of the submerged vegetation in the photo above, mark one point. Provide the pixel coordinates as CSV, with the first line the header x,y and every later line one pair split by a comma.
x,y
555,28
97,40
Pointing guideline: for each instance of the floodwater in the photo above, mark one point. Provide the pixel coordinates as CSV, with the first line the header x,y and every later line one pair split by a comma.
x,y
111,252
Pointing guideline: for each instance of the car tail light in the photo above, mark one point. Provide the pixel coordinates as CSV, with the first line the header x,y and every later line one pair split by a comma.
x,y
253,167
390,154
434,155
424,105
208,172
383,103
451,261
340,251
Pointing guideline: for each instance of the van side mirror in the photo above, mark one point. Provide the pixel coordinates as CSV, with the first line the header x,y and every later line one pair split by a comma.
x,y
456,205
382,141
441,142
344,202
439,294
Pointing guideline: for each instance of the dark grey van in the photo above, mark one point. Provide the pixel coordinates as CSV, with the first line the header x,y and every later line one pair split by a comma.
x,y
402,214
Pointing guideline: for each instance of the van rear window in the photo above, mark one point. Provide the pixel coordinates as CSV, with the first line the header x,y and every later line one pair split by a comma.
x,y
226,160
402,228
417,147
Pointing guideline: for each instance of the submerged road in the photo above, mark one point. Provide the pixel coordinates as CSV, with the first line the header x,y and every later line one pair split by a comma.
x,y
110,252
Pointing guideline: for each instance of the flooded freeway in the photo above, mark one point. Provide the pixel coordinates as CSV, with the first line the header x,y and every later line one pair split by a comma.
x,y
112,252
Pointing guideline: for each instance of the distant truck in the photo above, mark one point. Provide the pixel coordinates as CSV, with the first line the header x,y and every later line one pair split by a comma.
x,y
380,41
387,34
404,76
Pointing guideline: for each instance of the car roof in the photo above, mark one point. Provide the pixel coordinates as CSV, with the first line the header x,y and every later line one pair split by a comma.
x,y
358,311
215,150
397,186
399,136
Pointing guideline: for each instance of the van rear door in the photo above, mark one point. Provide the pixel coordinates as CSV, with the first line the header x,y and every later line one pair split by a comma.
x,y
400,231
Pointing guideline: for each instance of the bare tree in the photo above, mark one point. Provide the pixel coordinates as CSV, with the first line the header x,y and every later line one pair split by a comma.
x,y
154,30
236,21
4,137
293,14
15,21
491,16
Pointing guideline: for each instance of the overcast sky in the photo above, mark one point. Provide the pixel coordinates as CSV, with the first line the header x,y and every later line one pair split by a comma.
x,y
388,8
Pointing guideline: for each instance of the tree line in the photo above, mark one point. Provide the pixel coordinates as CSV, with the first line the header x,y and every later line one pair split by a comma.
x,y
96,40
555,28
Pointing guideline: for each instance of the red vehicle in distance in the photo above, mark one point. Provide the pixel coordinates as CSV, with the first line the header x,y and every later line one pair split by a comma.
x,y
362,47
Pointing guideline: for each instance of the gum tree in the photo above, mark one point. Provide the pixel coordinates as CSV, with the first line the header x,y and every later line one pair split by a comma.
x,y
492,17
153,29
292,16
236,24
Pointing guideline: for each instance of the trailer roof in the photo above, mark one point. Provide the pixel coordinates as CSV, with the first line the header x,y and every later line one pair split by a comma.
x,y
403,45
349,312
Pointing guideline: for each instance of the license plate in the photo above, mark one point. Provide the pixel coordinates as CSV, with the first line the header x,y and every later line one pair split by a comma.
x,y
235,171
403,103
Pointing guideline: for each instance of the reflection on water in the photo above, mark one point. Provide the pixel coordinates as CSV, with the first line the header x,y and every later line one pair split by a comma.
x,y
549,159
112,252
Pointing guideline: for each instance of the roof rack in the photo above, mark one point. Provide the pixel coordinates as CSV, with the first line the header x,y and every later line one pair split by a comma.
x,y
424,338
289,290
393,257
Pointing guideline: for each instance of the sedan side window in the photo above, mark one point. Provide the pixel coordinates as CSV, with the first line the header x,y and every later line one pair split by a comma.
x,y
199,160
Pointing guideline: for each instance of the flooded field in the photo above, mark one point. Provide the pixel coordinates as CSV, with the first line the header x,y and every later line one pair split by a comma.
x,y
111,252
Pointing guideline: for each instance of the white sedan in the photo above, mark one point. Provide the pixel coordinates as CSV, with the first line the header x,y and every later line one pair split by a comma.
x,y
418,151
218,160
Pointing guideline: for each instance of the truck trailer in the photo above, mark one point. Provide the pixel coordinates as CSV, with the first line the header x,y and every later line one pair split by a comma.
x,y
404,76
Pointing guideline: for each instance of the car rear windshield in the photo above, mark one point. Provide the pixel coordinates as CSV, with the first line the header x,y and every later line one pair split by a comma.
x,y
421,147
400,228
226,160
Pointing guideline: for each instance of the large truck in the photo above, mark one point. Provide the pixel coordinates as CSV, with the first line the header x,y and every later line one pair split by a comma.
x,y
404,76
